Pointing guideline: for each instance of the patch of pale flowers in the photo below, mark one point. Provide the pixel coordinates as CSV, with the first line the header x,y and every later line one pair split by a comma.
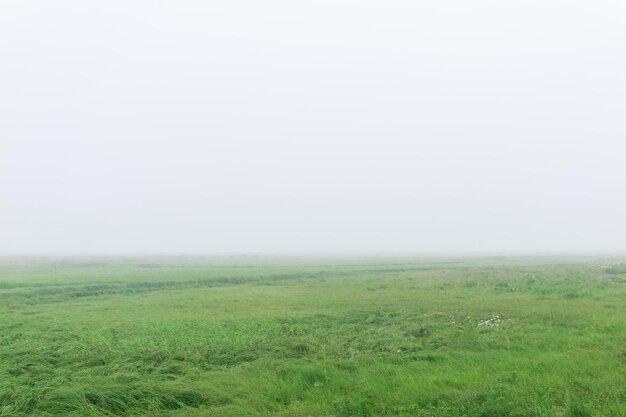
x,y
494,321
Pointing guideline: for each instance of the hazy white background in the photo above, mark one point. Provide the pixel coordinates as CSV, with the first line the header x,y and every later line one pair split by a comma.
x,y
312,126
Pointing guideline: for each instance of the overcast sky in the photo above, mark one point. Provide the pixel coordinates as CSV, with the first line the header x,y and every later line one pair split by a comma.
x,y
173,127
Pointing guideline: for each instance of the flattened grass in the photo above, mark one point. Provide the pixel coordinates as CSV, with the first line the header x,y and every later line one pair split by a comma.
x,y
178,337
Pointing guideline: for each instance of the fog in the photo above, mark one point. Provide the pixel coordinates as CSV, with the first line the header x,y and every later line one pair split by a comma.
x,y
293,127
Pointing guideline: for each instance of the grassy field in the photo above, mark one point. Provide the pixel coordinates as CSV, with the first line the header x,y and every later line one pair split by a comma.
x,y
288,337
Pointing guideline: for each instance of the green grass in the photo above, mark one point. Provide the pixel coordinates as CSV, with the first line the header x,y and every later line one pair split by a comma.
x,y
339,337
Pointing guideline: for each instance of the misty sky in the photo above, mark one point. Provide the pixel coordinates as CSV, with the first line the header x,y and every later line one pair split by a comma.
x,y
172,127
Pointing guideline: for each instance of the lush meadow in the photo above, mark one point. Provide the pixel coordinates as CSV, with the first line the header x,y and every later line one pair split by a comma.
x,y
288,337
